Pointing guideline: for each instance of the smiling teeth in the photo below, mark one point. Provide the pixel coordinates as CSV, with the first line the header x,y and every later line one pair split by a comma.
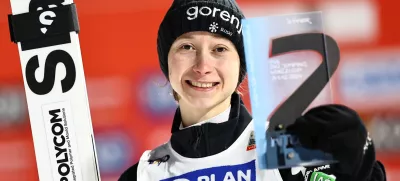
x,y
198,84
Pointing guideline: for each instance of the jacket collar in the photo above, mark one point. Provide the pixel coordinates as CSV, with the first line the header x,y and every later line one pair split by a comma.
x,y
210,138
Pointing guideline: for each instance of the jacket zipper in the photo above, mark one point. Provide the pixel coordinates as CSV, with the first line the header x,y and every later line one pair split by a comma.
x,y
199,133
206,139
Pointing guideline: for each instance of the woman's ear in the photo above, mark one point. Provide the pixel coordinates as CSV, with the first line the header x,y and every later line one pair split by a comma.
x,y
176,96
238,91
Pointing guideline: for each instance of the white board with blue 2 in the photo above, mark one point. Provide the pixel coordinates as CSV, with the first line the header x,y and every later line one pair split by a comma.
x,y
290,62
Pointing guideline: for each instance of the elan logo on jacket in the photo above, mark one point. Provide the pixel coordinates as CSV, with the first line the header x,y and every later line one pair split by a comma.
x,y
195,11
242,172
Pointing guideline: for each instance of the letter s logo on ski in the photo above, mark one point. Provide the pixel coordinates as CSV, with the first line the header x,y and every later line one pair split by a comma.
x,y
46,17
53,58
44,21
242,172
45,87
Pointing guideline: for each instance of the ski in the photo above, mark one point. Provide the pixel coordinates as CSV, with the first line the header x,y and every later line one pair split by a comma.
x,y
46,32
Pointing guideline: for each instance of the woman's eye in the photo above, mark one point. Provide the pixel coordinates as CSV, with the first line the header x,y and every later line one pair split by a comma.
x,y
220,49
187,47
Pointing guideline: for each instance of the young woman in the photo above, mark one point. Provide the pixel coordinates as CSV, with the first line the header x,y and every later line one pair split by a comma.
x,y
200,50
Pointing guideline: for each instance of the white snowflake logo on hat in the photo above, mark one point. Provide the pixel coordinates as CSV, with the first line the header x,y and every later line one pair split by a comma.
x,y
213,27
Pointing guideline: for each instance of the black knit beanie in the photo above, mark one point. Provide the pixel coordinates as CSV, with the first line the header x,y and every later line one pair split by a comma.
x,y
222,17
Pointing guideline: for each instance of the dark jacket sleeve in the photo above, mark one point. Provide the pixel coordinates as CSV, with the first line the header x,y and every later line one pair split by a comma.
x,y
370,169
377,173
338,130
130,174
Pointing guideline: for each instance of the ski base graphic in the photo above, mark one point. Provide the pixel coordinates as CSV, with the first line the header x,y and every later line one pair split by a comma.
x,y
46,32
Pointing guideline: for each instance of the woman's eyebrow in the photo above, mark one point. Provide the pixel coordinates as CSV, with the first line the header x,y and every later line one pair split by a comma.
x,y
187,36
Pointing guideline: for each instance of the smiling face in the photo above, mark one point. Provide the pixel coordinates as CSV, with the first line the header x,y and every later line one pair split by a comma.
x,y
203,69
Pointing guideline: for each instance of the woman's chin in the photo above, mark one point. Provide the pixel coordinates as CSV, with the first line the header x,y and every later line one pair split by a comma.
x,y
205,102
202,102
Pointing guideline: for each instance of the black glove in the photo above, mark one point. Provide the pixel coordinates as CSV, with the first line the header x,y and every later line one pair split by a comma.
x,y
338,130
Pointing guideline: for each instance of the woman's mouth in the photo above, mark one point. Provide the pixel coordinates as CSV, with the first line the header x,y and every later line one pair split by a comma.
x,y
202,85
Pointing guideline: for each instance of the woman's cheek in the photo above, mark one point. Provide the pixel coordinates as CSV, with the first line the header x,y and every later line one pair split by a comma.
x,y
182,62
231,68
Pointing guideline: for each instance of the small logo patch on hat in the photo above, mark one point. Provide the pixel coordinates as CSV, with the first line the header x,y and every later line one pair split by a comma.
x,y
213,27
252,142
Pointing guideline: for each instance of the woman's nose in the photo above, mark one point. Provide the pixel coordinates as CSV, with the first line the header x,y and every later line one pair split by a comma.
x,y
203,65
